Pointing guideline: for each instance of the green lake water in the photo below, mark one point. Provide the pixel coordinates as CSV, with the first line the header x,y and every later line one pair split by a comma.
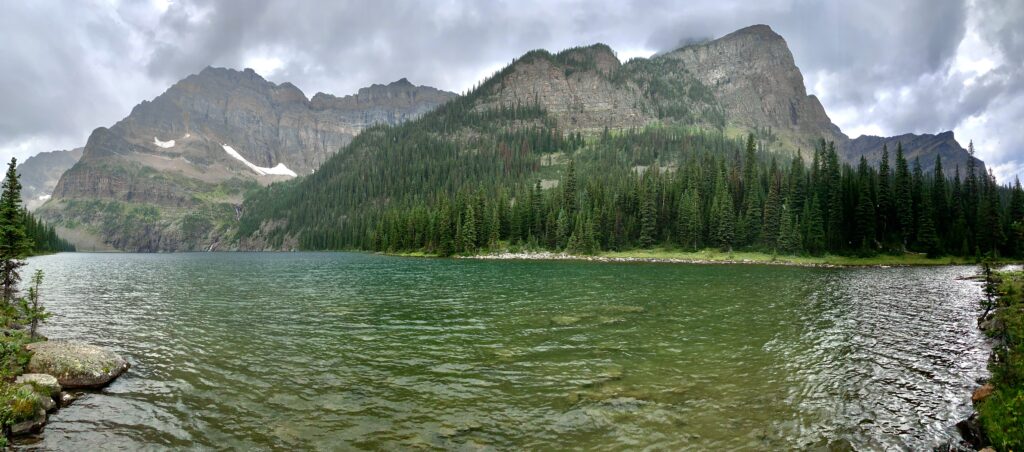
x,y
338,351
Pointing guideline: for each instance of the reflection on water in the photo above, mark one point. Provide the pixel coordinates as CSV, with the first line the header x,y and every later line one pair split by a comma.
x,y
327,351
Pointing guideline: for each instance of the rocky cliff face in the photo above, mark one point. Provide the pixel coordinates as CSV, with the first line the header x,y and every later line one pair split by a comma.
x,y
756,81
40,173
745,81
179,163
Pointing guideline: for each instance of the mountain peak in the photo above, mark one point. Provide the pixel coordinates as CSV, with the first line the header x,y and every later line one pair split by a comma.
x,y
756,30
402,82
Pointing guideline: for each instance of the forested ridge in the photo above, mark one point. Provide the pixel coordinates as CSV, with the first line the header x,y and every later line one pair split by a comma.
x,y
466,179
733,200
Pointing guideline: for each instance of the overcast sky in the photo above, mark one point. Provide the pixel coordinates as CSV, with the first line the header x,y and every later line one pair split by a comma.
x,y
880,67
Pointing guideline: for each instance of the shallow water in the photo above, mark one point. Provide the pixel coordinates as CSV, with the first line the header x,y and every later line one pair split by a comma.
x,y
343,351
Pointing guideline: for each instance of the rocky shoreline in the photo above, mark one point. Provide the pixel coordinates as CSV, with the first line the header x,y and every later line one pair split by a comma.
x,y
55,368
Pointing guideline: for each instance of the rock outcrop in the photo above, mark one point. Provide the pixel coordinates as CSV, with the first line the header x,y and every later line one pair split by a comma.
x,y
170,175
76,365
745,81
40,173
755,78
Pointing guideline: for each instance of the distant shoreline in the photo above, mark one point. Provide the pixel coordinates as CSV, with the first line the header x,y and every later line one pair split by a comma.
x,y
715,257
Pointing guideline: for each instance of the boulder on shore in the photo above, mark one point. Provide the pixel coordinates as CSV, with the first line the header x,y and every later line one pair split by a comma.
x,y
76,365
42,383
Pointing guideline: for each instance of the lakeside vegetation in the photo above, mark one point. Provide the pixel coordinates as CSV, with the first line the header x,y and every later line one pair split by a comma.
x,y
19,315
1002,412
713,198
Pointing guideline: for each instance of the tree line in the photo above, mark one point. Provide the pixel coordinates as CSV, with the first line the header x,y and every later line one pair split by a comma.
x,y
746,199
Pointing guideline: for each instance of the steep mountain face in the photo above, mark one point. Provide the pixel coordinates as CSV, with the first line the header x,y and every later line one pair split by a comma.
x,y
40,173
754,77
742,82
167,177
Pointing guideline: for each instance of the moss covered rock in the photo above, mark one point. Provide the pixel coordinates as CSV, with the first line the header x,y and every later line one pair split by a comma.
x,y
76,365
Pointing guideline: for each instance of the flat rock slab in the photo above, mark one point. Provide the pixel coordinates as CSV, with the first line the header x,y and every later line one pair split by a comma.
x,y
76,365
43,383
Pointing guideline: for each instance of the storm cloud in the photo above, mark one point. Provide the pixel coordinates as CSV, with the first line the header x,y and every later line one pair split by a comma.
x,y
880,67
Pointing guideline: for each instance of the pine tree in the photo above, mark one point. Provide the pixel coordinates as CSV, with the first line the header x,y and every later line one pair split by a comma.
x,y
32,312
494,229
468,230
865,208
1016,219
885,197
989,232
814,242
940,202
958,241
648,218
834,217
904,201
562,230
569,190
15,245
927,238
690,224
772,213
789,233
971,196
445,241
723,217
917,193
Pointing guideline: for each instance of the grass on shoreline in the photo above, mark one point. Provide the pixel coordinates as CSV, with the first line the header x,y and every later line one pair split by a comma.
x,y
1002,413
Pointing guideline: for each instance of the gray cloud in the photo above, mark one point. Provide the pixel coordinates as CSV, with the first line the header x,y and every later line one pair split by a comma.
x,y
878,66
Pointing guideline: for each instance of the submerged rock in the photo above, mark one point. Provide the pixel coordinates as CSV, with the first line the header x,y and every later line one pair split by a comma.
x,y
76,365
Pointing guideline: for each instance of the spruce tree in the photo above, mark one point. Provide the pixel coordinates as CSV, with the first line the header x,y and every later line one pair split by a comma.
x,y
690,224
562,229
927,238
917,193
648,218
723,217
885,196
445,240
772,213
904,201
789,233
15,245
865,208
942,217
814,242
834,215
569,189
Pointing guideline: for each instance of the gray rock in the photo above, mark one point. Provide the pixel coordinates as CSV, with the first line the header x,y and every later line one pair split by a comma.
x,y
42,383
76,365
29,426
67,398
266,123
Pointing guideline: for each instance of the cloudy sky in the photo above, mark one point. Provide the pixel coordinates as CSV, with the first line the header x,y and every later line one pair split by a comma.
x,y
880,67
